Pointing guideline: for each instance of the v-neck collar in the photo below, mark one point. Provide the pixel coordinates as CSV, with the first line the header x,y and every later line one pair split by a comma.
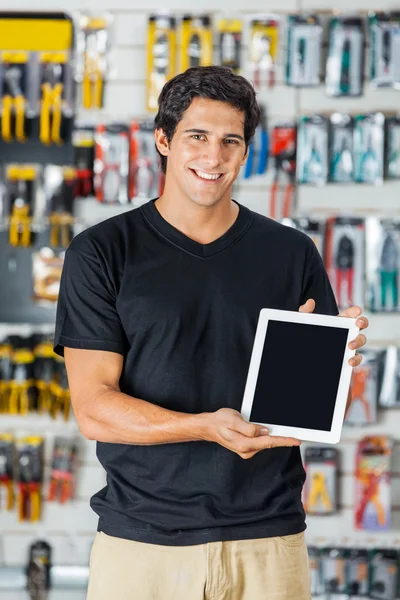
x,y
238,228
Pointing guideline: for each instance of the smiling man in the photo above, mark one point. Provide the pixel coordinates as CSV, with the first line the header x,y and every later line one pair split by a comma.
x,y
157,314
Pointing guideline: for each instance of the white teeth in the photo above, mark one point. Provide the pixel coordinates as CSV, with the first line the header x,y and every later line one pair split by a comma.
x,y
207,175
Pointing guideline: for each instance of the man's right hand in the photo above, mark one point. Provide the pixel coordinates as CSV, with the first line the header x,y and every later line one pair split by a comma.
x,y
228,428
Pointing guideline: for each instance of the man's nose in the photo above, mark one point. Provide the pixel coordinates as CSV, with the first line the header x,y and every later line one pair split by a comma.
x,y
212,154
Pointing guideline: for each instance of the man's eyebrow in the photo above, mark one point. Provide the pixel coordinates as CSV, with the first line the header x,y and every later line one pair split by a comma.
x,y
204,131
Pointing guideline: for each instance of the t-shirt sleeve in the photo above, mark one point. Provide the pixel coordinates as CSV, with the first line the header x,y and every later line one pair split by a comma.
x,y
316,284
87,317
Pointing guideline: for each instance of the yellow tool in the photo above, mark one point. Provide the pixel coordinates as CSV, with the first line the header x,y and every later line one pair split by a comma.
x,y
5,361
319,492
95,30
51,109
62,396
161,50
230,43
30,466
14,102
61,402
61,218
264,37
21,207
22,382
196,42
20,220
44,365
6,471
60,232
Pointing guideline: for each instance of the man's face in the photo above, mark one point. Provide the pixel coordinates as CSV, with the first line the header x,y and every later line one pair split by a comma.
x,y
206,151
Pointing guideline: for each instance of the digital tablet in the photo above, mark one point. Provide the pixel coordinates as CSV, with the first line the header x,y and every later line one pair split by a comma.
x,y
299,374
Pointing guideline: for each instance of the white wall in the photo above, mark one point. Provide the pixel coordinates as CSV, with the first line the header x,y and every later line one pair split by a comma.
x,y
70,529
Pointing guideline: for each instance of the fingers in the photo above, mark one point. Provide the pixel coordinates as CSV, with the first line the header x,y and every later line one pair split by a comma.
x,y
277,441
272,442
352,313
362,323
356,360
308,307
250,430
243,445
359,342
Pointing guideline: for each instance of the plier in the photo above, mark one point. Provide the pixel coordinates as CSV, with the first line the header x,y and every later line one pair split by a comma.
x,y
13,100
93,77
51,105
319,492
345,269
289,168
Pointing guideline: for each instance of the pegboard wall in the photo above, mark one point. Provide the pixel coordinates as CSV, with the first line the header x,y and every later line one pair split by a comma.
x,y
71,529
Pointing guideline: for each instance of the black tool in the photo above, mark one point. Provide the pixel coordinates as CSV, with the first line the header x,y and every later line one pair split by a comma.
x,y
38,570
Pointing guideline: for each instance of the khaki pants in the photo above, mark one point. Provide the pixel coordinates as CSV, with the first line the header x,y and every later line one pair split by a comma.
x,y
261,569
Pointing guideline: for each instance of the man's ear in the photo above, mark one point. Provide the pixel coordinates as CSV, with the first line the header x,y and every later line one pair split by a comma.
x,y
246,154
161,142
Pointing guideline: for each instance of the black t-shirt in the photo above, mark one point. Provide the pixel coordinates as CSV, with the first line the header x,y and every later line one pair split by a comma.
x,y
184,316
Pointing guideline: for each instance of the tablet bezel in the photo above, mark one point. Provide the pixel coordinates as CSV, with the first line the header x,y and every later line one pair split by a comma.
x,y
313,435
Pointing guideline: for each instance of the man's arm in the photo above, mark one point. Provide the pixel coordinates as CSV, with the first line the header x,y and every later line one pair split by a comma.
x,y
106,414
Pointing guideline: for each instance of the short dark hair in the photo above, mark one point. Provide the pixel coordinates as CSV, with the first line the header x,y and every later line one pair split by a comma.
x,y
214,83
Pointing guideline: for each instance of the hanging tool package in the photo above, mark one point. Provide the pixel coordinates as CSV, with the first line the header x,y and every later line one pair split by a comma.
x,y
320,490
344,259
112,167
264,39
94,34
369,137
312,150
304,42
146,180
38,570
83,143
389,396
384,31
341,133
283,152
345,62
21,184
161,55
63,470
383,264
6,471
373,484
392,158
230,43
29,477
16,107
59,186
195,37
364,389
333,571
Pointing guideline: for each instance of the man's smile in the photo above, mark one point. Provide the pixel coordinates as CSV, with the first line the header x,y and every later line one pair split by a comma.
x,y
207,177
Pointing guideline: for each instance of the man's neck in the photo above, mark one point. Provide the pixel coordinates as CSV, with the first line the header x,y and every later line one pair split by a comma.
x,y
201,224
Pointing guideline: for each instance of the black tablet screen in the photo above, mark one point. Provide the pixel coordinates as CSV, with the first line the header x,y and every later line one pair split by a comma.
x,y
299,375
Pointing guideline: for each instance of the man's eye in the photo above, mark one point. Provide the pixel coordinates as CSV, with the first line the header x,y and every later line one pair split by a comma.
x,y
197,136
231,141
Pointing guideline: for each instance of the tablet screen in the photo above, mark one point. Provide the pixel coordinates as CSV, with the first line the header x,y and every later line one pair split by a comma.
x,y
299,375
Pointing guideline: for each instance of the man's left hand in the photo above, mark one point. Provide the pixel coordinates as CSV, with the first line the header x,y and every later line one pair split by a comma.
x,y
354,312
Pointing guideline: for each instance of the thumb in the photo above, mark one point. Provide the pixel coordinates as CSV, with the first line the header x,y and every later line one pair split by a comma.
x,y
308,307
